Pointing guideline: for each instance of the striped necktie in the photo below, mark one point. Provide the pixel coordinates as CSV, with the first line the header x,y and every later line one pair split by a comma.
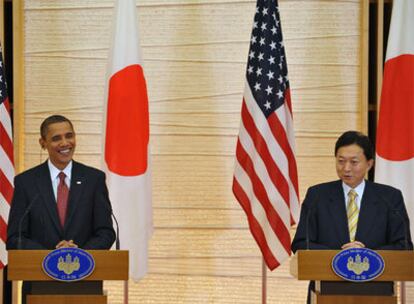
x,y
352,212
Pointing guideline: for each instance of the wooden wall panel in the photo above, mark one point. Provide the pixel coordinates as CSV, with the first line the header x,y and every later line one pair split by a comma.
x,y
195,55
207,289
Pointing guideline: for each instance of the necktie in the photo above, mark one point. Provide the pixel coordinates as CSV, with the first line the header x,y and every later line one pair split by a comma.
x,y
352,212
62,198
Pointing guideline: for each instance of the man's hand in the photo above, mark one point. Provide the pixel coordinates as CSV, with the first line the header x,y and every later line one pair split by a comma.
x,y
66,244
354,244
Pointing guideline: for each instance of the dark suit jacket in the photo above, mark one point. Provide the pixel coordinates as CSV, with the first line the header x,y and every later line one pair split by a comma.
x,y
88,220
324,221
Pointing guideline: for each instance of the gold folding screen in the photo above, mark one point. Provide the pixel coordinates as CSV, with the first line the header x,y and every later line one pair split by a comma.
x,y
195,56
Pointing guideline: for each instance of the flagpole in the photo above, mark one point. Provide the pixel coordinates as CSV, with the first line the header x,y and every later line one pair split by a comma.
x,y
402,292
264,281
126,289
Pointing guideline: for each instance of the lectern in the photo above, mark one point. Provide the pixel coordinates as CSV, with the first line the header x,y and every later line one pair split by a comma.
x,y
316,265
26,265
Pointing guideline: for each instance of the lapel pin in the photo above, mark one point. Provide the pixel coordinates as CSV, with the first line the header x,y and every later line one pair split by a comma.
x,y
78,182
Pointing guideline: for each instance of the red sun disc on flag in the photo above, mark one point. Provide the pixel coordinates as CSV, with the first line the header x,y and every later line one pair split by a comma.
x,y
396,118
127,139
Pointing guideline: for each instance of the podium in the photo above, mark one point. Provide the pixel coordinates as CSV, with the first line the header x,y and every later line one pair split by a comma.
x,y
316,265
26,265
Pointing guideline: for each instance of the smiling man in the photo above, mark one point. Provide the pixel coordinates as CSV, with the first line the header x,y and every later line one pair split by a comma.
x,y
353,212
60,203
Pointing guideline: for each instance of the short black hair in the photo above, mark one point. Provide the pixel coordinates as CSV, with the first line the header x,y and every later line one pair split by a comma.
x,y
51,120
355,138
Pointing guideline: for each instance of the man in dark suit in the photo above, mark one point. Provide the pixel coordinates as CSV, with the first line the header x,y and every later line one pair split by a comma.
x,y
352,212
60,203
87,221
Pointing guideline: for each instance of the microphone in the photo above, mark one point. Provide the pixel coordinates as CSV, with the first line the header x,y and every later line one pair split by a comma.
x,y
26,211
398,213
117,242
309,210
403,219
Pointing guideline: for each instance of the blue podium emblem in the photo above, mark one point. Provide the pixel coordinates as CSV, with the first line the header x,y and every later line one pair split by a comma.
x,y
358,264
68,264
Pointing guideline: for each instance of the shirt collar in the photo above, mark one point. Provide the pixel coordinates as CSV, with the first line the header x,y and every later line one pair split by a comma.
x,y
358,189
54,172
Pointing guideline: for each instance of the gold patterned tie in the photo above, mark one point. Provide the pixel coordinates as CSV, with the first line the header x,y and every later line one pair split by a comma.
x,y
353,212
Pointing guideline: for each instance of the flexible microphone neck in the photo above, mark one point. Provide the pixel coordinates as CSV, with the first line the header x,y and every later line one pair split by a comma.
x,y
117,242
398,213
26,211
309,211
404,221
309,208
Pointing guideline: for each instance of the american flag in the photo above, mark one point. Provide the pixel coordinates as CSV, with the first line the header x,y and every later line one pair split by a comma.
x,y
265,177
6,163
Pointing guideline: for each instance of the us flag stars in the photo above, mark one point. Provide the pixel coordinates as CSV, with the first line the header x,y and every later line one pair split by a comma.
x,y
267,67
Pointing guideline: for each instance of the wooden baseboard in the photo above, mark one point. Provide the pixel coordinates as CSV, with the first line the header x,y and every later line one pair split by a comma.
x,y
67,299
317,298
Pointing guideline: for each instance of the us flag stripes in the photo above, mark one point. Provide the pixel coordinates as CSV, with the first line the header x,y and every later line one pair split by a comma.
x,y
6,163
265,177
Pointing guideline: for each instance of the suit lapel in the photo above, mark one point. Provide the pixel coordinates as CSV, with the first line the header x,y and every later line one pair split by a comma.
x,y
338,212
367,213
76,186
44,184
